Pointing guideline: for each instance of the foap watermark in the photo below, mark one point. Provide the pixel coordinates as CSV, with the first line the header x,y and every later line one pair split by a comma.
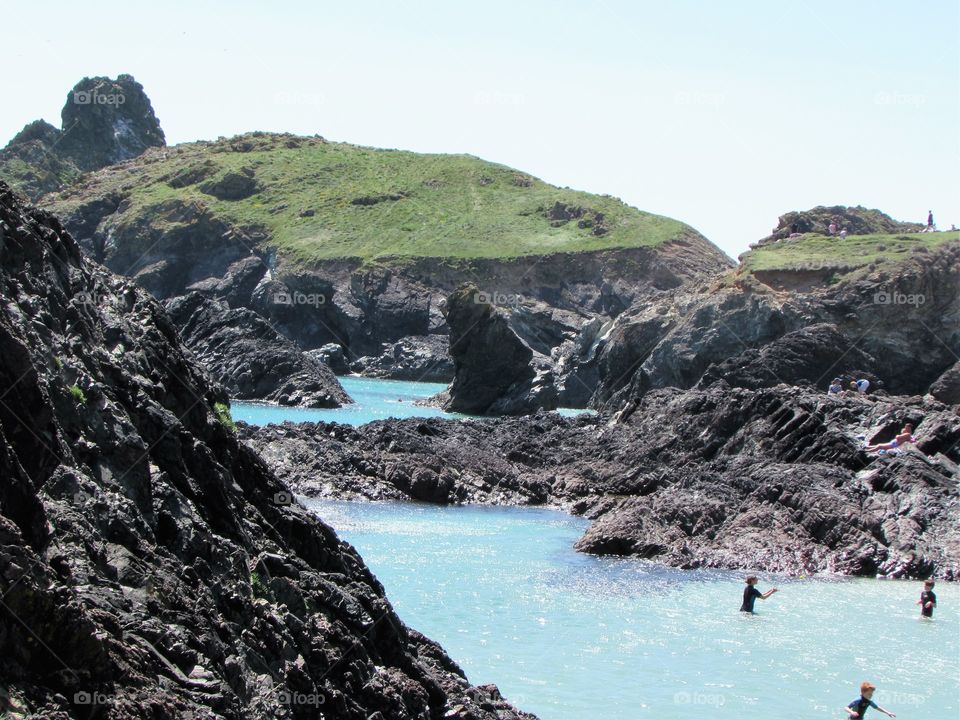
x,y
307,99
490,97
699,99
895,98
482,297
885,297
93,97
289,697
89,298
283,498
299,298
903,698
93,698
685,697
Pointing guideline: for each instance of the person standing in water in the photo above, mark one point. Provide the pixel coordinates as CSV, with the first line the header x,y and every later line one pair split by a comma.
x,y
928,600
750,594
858,708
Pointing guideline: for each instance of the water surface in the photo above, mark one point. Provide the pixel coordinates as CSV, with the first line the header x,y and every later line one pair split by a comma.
x,y
374,399
573,637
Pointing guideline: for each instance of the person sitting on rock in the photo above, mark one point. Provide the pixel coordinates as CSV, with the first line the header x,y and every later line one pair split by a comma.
x,y
750,594
905,436
835,387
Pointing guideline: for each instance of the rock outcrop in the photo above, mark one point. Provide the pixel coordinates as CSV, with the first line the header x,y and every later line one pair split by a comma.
x,y
493,374
153,566
251,359
900,326
855,220
772,479
103,122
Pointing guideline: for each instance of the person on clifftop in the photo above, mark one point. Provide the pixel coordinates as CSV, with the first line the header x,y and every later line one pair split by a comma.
x,y
928,600
750,594
929,220
835,387
858,708
905,436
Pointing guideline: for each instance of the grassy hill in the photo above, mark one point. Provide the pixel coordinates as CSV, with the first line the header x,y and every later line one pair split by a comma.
x,y
318,200
841,257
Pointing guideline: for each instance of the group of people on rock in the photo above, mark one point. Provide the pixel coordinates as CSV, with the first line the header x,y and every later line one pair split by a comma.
x,y
859,707
854,387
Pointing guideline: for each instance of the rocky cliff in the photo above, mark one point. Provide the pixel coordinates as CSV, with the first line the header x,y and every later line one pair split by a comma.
x,y
103,122
369,243
152,565
772,479
249,358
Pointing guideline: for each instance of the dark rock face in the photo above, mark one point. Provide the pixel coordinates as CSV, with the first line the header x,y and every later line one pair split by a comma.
x,y
108,121
232,185
152,565
333,357
755,336
856,220
249,358
946,388
418,358
772,479
492,369
104,122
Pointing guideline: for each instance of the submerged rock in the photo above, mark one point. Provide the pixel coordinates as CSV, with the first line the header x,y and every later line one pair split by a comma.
x,y
154,566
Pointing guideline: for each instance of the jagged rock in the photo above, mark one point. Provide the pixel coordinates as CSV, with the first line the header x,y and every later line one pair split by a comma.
x,y
107,121
492,366
759,336
946,388
152,564
250,359
769,479
333,357
417,358
856,220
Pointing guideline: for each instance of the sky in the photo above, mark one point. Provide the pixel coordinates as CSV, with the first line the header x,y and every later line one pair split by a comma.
x,y
723,115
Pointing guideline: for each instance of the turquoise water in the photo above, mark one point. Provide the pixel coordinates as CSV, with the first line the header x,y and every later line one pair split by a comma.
x,y
374,399
573,637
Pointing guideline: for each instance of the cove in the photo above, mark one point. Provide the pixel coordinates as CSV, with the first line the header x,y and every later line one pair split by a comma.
x,y
374,399
575,637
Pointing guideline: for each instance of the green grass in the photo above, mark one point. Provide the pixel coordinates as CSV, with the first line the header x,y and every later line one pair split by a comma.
x,y
76,392
451,206
842,257
222,411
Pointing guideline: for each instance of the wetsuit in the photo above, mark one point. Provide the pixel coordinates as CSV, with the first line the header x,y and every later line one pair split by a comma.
x,y
925,597
750,595
861,704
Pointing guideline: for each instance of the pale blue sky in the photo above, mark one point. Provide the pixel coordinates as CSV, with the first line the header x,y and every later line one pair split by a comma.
x,y
724,115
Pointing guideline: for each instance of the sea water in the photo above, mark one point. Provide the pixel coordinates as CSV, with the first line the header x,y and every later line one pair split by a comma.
x,y
374,399
574,637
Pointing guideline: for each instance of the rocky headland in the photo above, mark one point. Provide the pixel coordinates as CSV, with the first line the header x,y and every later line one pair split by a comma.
x,y
152,564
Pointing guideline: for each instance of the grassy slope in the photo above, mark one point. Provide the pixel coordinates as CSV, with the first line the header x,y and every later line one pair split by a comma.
x,y
843,257
454,206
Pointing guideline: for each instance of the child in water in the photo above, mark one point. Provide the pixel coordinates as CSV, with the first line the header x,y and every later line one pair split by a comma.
x,y
750,594
928,600
859,707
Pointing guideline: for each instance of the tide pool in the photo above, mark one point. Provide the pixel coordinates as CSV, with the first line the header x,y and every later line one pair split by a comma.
x,y
374,399
574,637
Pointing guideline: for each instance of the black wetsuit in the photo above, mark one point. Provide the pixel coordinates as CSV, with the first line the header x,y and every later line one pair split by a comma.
x,y
925,597
750,595
861,704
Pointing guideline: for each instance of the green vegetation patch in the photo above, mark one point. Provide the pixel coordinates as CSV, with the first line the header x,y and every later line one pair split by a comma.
x,y
831,254
318,201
